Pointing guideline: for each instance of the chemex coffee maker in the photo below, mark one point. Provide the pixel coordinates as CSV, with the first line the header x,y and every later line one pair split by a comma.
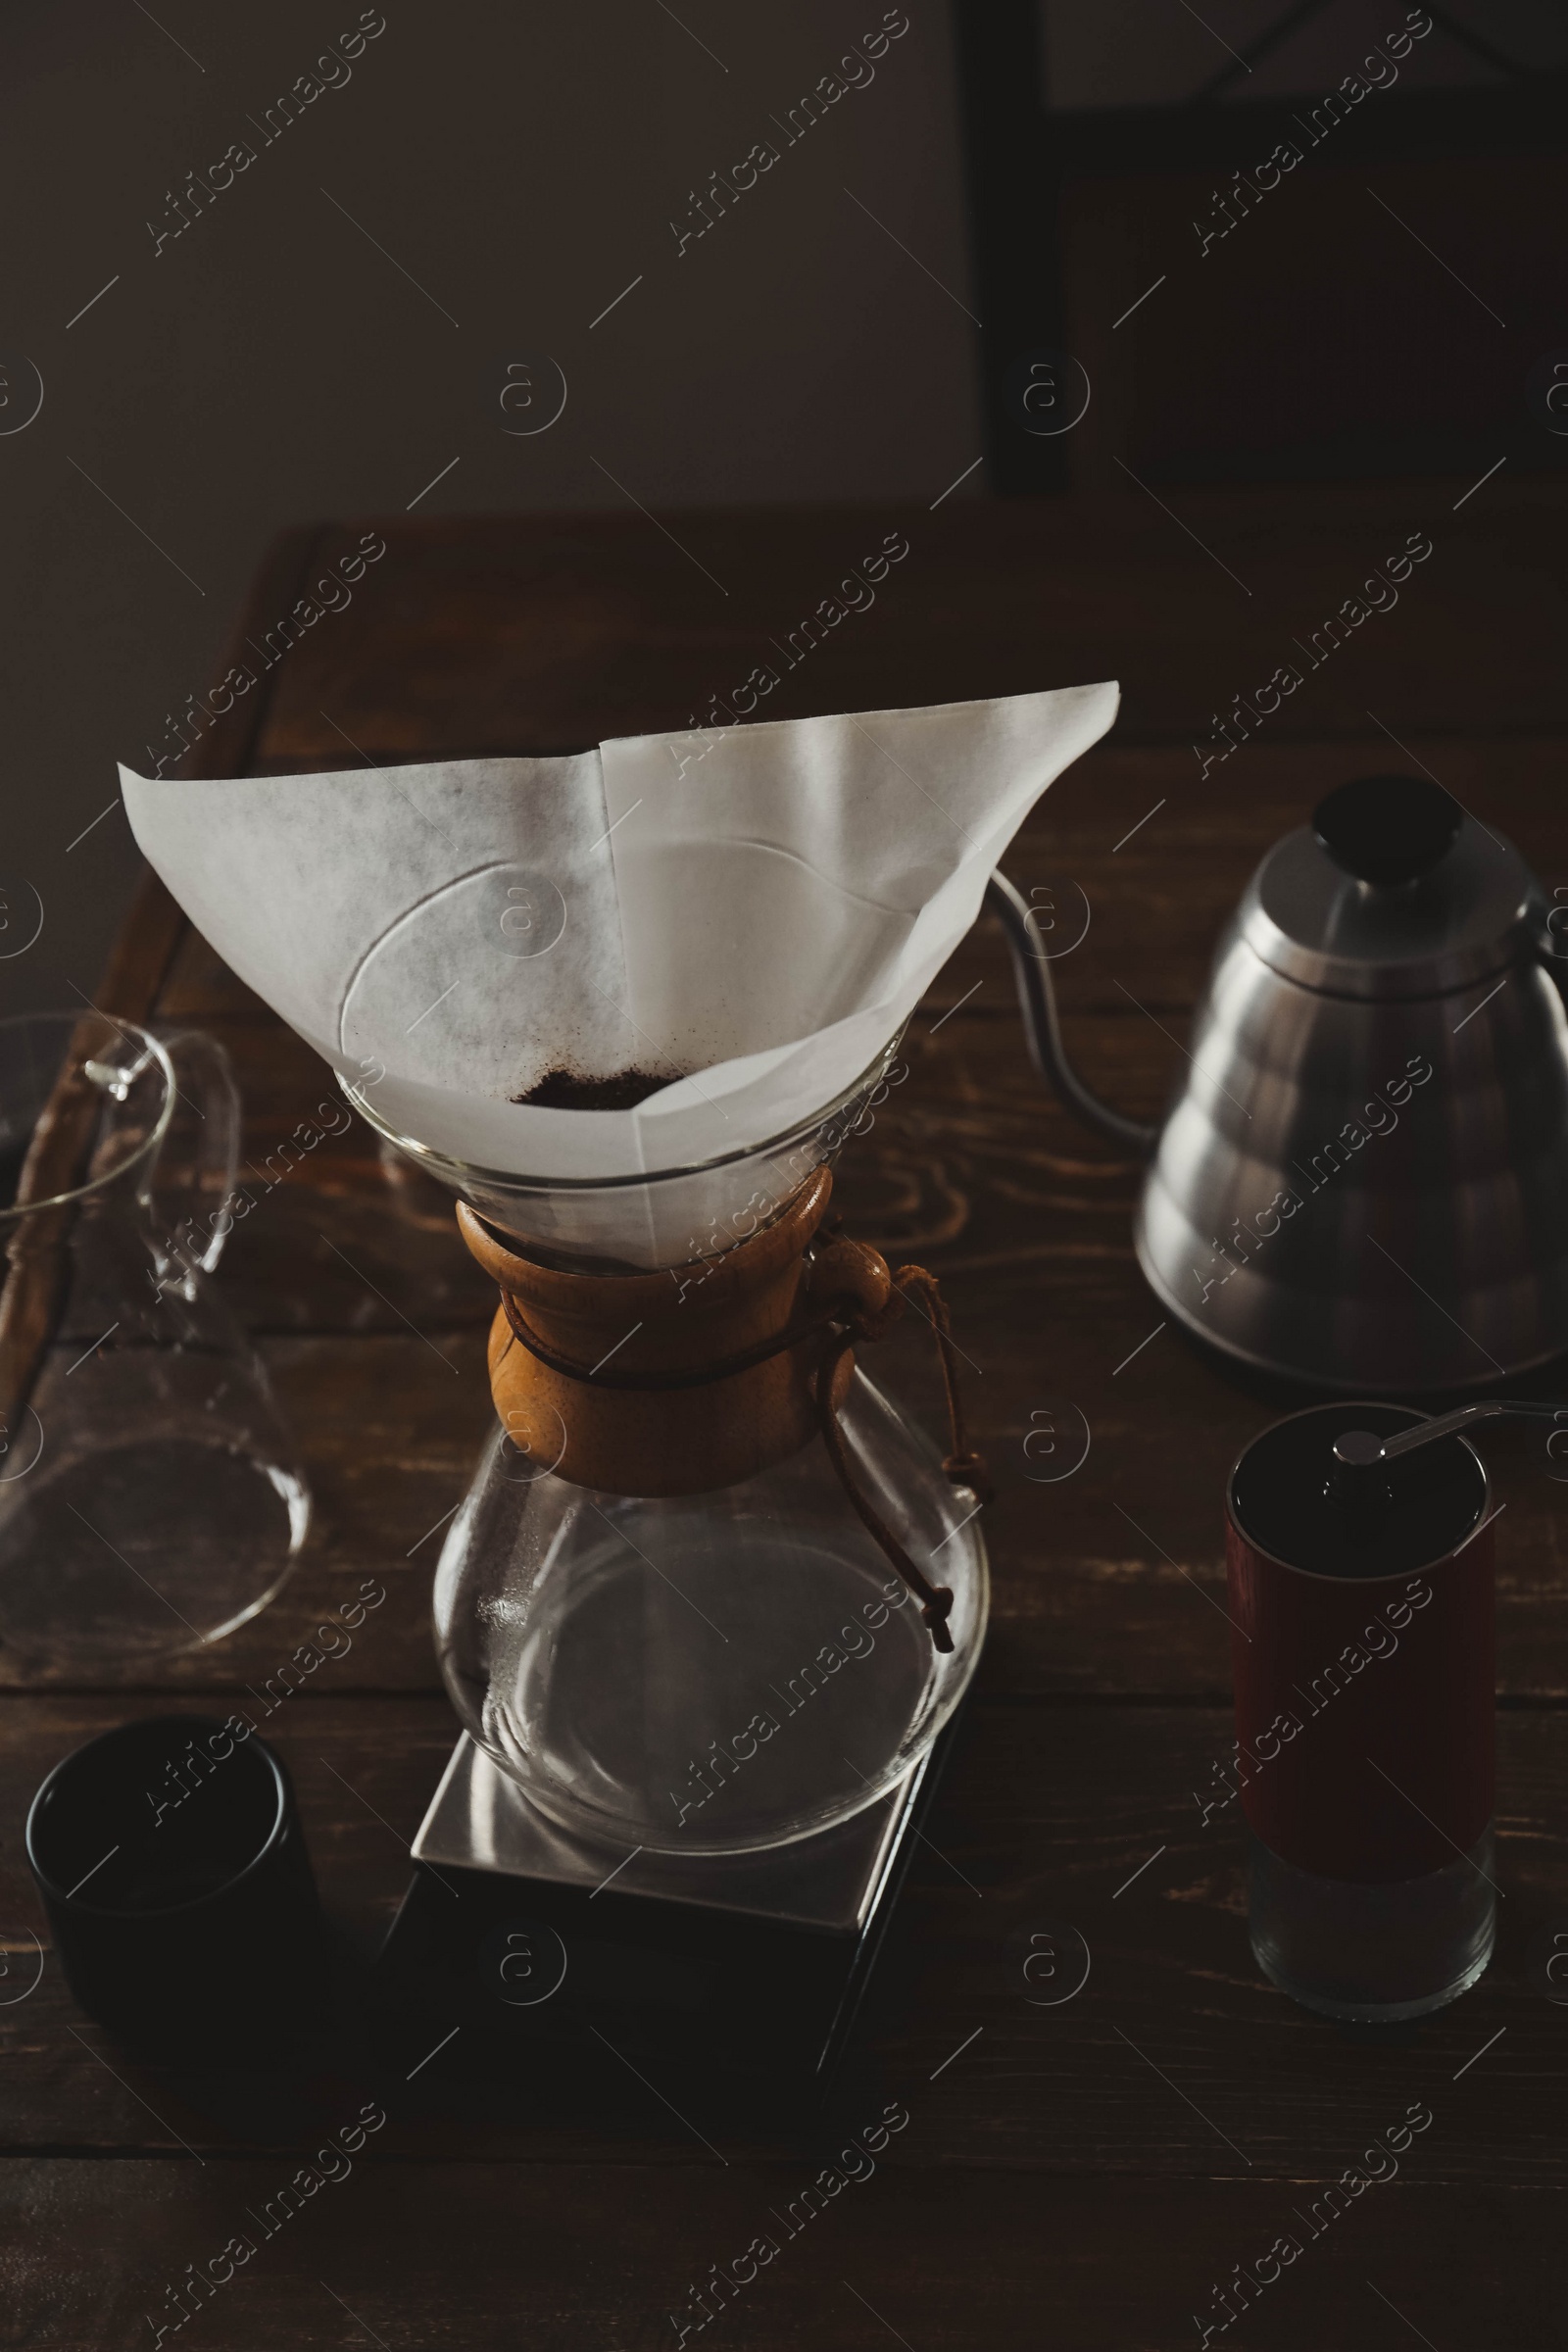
x,y
1360,1183
711,1602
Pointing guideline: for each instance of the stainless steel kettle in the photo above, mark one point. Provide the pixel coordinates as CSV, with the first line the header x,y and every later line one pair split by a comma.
x,y
1362,1180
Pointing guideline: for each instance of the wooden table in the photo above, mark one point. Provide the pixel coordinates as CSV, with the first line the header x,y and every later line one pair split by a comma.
x,y
1082,2174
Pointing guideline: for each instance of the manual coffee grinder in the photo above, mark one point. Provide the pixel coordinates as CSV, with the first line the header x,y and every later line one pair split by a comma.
x,y
705,1614
1360,1549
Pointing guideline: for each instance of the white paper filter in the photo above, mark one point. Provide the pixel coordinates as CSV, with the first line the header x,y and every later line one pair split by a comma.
x,y
756,910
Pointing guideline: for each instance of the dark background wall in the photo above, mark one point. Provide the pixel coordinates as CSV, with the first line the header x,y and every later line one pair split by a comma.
x,y
495,185
272,364
1121,53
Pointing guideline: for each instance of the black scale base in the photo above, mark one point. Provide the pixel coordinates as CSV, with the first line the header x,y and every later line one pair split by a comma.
x,y
547,1957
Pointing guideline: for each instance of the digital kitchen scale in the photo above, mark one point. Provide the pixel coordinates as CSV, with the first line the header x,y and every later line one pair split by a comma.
x,y
540,1949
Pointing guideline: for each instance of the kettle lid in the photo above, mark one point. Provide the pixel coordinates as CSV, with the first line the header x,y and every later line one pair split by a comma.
x,y
1393,890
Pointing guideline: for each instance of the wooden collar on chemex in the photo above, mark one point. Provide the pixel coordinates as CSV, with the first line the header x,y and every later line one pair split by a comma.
x,y
765,1337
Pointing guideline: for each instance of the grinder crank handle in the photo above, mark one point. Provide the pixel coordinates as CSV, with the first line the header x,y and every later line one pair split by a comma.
x,y
1359,1450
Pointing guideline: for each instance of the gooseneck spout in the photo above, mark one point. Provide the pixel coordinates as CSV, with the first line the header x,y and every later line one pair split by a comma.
x,y
1038,1004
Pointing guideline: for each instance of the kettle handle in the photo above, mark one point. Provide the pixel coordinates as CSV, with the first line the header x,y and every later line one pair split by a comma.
x,y
1036,1002
1552,945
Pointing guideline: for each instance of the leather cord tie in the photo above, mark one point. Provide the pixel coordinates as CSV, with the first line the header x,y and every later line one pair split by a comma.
x,y
862,1301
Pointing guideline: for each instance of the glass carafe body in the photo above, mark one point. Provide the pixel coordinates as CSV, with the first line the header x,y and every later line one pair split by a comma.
x,y
150,1497
711,1673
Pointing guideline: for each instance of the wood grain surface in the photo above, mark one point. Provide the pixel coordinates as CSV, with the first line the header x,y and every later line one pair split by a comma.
x,y
1088,2174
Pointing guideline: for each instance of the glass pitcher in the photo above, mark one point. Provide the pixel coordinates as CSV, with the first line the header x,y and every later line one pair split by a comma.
x,y
150,1497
